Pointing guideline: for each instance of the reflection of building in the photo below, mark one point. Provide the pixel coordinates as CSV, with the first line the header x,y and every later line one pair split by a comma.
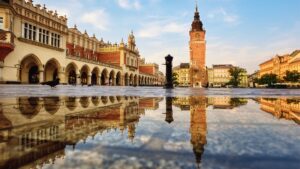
x,y
198,74
220,102
36,45
34,131
280,64
198,126
282,108
183,74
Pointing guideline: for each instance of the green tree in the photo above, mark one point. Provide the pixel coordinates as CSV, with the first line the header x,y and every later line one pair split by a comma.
x,y
235,73
268,79
292,76
175,79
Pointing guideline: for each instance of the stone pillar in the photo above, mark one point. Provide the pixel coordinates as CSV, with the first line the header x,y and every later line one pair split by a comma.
x,y
41,75
169,72
99,80
114,80
89,79
78,79
61,76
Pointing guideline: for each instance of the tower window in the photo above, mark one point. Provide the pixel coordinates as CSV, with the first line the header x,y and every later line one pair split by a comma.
x,y
1,23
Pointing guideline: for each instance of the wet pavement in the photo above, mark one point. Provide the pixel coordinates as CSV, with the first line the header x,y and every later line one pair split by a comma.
x,y
133,127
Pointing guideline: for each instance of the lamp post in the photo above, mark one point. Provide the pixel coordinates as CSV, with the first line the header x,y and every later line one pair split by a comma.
x,y
169,72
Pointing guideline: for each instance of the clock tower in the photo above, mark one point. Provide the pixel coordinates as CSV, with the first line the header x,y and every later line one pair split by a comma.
x,y
198,73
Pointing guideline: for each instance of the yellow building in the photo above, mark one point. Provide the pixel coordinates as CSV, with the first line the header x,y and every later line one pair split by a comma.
x,y
36,45
183,74
219,75
280,64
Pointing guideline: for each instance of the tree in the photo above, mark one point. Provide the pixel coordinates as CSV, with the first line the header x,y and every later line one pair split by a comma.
x,y
268,79
175,79
292,76
235,73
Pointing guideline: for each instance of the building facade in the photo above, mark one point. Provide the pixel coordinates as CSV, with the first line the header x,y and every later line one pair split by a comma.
x,y
36,46
183,74
219,76
280,64
198,73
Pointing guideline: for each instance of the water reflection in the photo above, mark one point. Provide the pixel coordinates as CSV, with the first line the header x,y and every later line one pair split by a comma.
x,y
35,132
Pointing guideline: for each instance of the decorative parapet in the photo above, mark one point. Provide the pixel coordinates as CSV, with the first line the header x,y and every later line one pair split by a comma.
x,y
93,62
113,48
40,14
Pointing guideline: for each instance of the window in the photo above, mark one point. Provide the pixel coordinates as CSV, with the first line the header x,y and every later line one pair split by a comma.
x,y
43,36
1,23
55,40
29,32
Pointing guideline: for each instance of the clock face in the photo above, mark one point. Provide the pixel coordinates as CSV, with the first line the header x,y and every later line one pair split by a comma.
x,y
197,35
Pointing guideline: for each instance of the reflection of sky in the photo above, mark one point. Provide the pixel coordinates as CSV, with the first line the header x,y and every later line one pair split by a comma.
x,y
243,137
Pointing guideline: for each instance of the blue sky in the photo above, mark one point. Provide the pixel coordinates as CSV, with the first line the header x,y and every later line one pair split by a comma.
x,y
239,32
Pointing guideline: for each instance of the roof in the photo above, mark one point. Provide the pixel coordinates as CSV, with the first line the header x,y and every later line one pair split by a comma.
x,y
295,53
223,66
184,65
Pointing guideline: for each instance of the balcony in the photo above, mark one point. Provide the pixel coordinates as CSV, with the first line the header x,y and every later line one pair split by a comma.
x,y
6,43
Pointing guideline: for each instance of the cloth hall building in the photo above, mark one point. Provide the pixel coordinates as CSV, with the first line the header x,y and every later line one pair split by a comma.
x,y
36,45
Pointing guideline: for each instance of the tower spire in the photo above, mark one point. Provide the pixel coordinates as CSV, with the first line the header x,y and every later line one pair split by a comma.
x,y
197,24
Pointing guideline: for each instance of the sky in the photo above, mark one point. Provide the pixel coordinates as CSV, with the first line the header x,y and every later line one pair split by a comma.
x,y
240,32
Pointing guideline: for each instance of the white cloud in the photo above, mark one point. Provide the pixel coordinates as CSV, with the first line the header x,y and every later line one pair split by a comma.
x,y
129,4
155,29
225,16
98,19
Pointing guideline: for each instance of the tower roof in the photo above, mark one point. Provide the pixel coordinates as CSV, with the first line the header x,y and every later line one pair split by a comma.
x,y
197,24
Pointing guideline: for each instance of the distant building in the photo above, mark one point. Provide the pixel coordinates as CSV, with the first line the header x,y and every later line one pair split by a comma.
x,y
252,79
183,74
280,64
219,76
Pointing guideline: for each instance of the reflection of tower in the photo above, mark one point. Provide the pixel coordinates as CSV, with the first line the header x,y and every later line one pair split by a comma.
x,y
169,110
198,126
198,75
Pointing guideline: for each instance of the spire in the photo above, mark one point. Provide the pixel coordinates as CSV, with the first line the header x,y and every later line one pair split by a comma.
x,y
196,2
197,24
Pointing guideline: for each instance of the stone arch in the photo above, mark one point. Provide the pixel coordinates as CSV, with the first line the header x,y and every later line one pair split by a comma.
x,y
104,77
104,100
126,79
29,106
131,82
71,103
31,70
71,73
95,100
112,99
135,80
85,75
52,69
118,79
112,78
51,104
84,101
95,76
